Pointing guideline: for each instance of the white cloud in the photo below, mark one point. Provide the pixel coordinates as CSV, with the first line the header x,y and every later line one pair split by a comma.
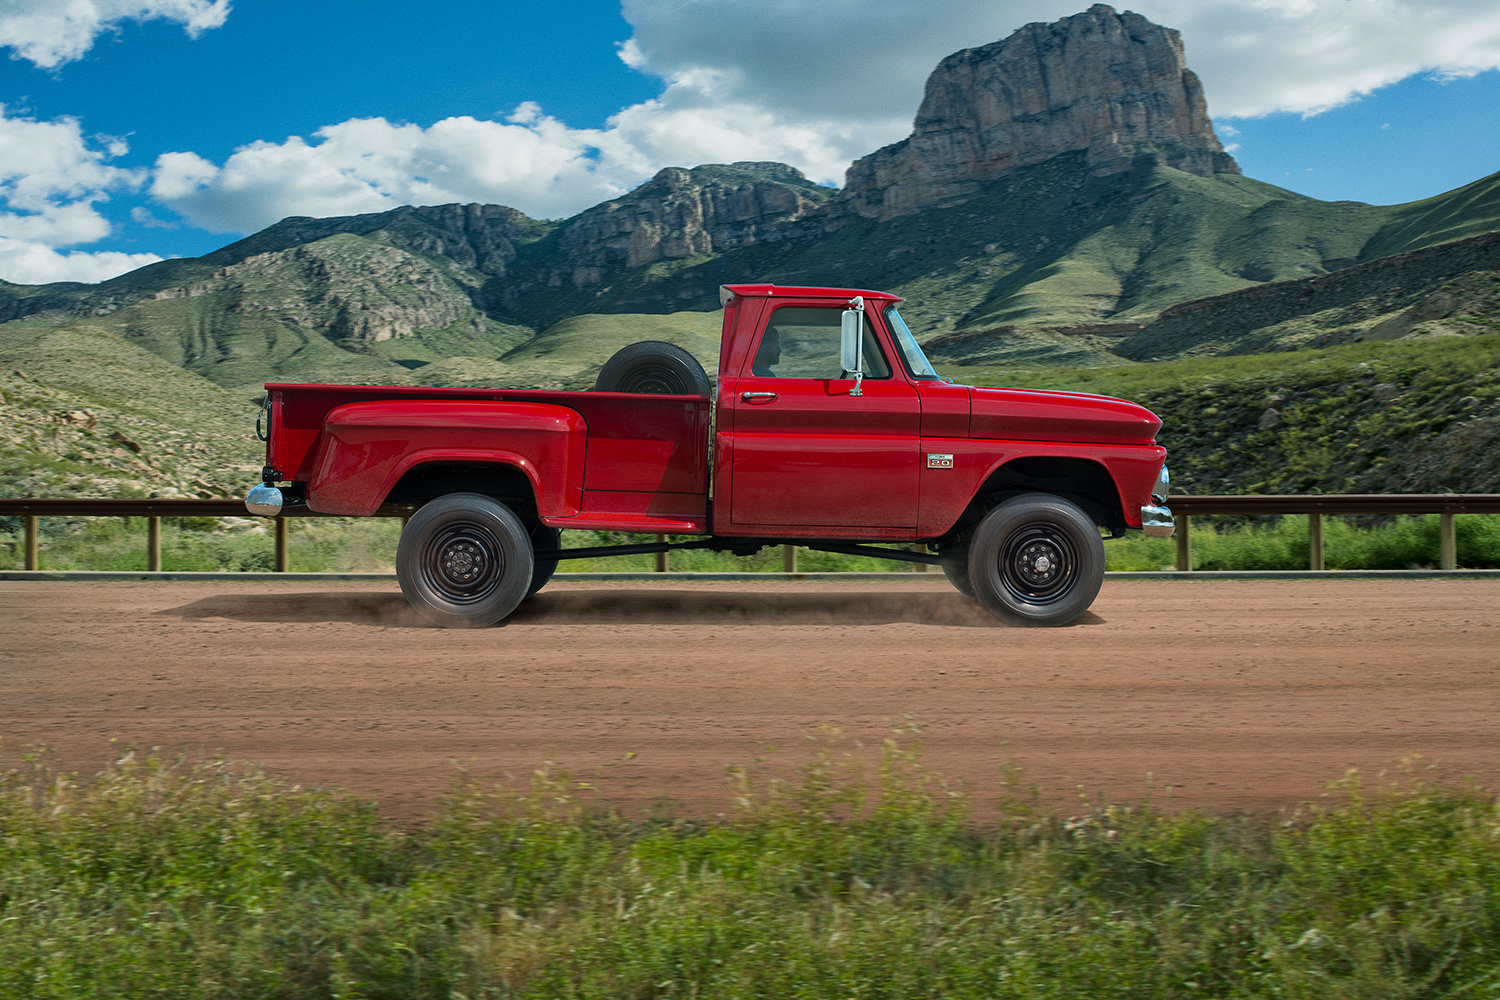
x,y
51,179
50,33
31,263
529,161
1307,56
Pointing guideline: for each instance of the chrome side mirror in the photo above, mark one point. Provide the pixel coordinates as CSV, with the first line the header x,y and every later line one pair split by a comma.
x,y
852,342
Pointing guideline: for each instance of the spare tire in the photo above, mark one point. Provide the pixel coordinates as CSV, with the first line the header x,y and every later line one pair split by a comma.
x,y
655,367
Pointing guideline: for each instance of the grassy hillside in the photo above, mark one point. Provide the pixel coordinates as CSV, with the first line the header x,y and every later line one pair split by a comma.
x,y
1445,289
85,412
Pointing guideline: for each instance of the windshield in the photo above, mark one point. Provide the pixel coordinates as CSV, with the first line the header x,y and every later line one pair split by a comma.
x,y
916,361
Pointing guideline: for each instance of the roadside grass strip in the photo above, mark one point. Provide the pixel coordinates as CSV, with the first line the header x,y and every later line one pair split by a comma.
x,y
206,879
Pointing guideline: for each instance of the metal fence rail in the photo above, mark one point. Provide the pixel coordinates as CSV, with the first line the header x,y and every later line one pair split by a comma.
x,y
1185,507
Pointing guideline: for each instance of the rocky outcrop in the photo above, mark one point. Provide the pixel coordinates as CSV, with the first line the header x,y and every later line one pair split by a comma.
x,y
680,213
1114,85
481,237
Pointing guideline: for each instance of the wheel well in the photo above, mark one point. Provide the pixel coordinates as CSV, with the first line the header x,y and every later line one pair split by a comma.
x,y
1087,484
434,479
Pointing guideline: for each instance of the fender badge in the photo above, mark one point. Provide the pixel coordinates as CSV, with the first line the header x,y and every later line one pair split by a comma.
x,y
940,461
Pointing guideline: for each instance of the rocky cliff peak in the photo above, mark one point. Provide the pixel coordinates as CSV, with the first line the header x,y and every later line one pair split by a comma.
x,y
680,213
1114,85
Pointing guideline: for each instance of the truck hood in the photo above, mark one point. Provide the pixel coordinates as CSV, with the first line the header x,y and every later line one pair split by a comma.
x,y
1035,415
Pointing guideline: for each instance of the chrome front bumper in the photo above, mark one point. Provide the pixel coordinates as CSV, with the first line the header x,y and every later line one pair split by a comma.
x,y
1156,516
1157,522
264,500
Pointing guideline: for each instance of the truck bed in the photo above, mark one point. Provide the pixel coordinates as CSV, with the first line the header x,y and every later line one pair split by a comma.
x,y
646,457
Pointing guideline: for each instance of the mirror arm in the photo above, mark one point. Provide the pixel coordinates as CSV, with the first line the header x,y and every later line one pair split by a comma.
x,y
858,303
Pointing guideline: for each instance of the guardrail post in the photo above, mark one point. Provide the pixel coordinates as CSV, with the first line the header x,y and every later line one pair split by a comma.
x,y
661,557
921,567
33,546
282,544
1447,543
1184,545
789,558
1315,541
153,544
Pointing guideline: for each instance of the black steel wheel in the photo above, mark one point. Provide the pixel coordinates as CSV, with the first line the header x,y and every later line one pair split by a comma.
x,y
464,561
543,539
655,367
1036,560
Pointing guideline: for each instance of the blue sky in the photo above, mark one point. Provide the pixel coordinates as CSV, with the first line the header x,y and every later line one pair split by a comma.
x,y
138,129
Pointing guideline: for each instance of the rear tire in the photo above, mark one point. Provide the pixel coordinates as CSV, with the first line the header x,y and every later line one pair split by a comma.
x,y
654,367
464,561
1036,559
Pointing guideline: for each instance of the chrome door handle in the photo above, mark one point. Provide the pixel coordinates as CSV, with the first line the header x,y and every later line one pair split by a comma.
x,y
751,397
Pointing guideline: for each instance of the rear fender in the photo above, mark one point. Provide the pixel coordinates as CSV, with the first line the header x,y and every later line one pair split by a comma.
x,y
365,448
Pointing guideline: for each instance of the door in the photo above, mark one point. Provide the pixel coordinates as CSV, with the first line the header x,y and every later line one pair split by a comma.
x,y
806,453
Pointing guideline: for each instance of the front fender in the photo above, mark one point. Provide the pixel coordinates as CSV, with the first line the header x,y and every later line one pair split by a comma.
x,y
947,490
365,448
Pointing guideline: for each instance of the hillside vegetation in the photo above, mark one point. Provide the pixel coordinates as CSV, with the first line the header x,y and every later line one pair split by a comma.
x,y
1410,416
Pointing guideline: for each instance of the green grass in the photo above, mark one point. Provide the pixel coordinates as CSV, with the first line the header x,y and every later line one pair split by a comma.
x,y
206,544
204,880
1400,543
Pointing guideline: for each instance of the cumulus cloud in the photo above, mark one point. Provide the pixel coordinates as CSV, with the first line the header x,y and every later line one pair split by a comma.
x,y
30,263
529,161
50,33
52,178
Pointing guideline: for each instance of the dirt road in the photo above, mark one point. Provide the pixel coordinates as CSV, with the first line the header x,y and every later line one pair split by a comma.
x,y
1236,694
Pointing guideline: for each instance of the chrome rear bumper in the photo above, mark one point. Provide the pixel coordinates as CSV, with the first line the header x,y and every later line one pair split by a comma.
x,y
264,500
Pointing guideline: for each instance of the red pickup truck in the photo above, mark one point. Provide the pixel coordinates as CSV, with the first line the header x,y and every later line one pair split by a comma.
x,y
827,427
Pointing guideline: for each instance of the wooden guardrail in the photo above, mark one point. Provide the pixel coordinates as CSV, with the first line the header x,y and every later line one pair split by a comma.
x,y
1184,507
1445,505
153,511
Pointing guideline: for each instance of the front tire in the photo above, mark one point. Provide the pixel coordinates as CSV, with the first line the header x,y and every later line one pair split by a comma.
x,y
1036,560
464,561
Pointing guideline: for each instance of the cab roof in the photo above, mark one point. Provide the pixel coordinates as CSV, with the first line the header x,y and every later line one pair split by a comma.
x,y
799,292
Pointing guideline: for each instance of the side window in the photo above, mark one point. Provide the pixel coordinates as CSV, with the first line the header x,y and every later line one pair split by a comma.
x,y
804,343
